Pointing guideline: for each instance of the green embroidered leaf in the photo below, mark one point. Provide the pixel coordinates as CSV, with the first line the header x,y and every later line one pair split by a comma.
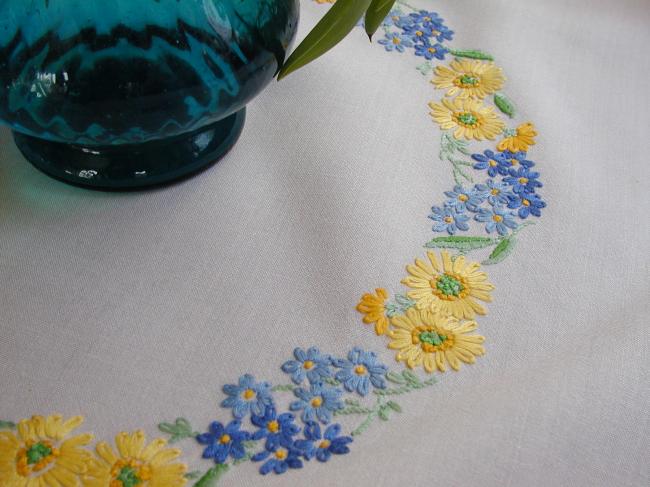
x,y
7,425
399,307
332,28
394,406
425,68
411,377
212,476
383,413
472,54
283,388
193,475
501,251
331,381
377,12
352,402
460,243
395,377
179,430
504,104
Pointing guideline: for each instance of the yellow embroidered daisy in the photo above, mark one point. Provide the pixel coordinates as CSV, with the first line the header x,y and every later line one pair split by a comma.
x,y
469,118
448,287
518,139
469,79
40,454
135,464
432,340
372,306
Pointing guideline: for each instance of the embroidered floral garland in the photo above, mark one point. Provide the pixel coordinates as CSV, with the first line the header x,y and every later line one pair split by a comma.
x,y
429,325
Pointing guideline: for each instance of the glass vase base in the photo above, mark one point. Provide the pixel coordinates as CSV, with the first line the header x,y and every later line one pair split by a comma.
x,y
132,167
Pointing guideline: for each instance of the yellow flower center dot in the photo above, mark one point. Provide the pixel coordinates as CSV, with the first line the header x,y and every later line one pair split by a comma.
x,y
360,370
225,439
281,454
523,180
497,218
317,402
419,33
463,197
426,19
495,191
493,163
273,426
514,162
249,394
324,444
449,219
396,40
432,50
525,202
308,364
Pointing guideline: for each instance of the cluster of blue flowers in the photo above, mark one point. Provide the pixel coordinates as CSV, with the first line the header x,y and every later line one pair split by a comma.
x,y
422,31
327,378
497,204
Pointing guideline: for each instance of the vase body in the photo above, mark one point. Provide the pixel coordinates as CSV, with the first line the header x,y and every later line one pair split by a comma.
x,y
131,93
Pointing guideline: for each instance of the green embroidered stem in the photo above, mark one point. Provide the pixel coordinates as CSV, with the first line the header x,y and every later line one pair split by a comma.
x,y
179,430
472,54
353,410
331,381
505,246
7,425
369,419
404,4
283,388
193,475
449,147
212,476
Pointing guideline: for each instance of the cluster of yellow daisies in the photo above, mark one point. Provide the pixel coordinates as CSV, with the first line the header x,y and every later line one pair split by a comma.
x,y
43,453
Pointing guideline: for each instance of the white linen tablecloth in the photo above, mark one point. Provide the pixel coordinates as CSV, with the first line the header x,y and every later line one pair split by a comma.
x,y
132,309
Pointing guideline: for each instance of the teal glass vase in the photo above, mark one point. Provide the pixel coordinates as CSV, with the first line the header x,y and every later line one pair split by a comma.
x,y
134,93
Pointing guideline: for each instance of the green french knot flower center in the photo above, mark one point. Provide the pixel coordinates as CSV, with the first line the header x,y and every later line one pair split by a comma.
x,y
510,132
468,80
432,338
467,118
449,286
37,452
129,477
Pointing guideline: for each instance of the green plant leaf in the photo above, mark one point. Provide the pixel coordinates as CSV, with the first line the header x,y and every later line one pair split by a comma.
x,y
395,377
501,251
332,28
460,243
376,14
394,406
472,54
504,104
7,425
212,476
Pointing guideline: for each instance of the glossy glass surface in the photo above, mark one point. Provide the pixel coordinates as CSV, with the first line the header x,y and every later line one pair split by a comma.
x,y
98,74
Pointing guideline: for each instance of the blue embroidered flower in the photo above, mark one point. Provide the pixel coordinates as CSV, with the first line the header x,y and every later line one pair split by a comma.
x,y
499,193
397,19
449,219
247,397
463,199
523,180
429,52
224,441
495,163
273,427
397,42
323,446
319,401
360,370
431,21
527,204
496,218
515,159
311,364
417,33
283,456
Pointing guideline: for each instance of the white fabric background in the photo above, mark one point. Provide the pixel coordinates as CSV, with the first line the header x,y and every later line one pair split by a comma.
x,y
137,308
